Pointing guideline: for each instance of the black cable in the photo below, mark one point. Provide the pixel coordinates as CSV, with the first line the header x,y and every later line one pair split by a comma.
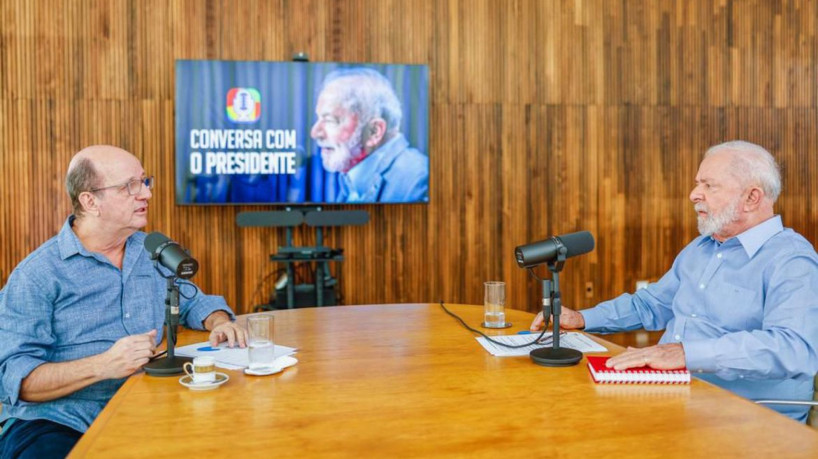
x,y
263,281
512,346
159,355
180,283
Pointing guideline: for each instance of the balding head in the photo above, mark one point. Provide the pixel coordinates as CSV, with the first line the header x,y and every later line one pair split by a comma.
x,y
87,169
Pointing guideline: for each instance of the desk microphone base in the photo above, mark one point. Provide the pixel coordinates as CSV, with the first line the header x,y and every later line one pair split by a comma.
x,y
550,357
167,366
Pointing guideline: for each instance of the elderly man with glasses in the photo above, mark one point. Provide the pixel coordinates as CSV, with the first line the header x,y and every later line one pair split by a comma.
x,y
85,310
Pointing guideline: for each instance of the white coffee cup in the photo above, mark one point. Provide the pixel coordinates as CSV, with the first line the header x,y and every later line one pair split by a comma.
x,y
202,370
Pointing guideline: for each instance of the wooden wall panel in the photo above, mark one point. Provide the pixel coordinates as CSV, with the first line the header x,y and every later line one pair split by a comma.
x,y
547,117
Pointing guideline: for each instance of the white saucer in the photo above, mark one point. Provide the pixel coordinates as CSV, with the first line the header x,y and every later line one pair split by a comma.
x,y
187,381
278,365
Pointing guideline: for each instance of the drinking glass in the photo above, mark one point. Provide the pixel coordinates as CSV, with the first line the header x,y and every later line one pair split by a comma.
x,y
494,302
261,345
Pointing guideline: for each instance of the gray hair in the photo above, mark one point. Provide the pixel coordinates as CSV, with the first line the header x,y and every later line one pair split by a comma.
x,y
368,93
752,165
81,177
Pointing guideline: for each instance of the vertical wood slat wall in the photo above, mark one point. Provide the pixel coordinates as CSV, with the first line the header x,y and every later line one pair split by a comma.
x,y
547,117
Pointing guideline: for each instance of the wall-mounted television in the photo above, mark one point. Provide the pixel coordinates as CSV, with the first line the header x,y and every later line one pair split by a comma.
x,y
301,133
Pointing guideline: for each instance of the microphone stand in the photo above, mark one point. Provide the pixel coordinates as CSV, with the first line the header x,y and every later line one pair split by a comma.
x,y
170,364
554,356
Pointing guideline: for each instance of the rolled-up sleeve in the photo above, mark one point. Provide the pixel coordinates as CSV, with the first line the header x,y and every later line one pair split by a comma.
x,y
195,310
26,334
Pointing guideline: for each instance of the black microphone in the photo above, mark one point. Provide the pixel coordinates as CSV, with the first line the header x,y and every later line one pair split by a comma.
x,y
537,253
171,255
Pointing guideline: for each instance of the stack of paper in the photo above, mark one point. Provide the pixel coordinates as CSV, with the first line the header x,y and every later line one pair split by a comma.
x,y
571,340
234,358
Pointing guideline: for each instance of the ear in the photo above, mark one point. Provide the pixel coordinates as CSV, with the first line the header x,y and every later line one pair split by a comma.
x,y
89,202
374,133
754,198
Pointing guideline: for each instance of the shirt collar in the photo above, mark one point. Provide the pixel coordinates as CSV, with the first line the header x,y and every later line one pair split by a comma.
x,y
68,242
755,237
69,245
752,239
360,177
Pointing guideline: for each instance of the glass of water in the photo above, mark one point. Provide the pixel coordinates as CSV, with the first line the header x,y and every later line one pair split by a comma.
x,y
261,345
494,303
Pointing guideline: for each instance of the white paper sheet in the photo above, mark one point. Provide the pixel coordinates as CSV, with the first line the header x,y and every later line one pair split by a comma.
x,y
231,359
571,340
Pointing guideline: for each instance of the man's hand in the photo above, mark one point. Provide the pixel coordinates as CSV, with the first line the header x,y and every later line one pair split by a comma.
x,y
569,320
223,329
128,355
661,357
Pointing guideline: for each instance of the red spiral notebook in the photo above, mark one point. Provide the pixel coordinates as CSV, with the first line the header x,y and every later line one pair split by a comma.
x,y
641,375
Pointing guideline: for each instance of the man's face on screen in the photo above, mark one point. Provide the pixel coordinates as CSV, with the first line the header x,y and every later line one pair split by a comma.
x,y
337,132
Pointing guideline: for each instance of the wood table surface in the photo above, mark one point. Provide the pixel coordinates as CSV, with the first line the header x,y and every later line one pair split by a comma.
x,y
407,380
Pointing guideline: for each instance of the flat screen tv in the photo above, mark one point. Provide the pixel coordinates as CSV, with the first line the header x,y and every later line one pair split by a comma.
x,y
291,133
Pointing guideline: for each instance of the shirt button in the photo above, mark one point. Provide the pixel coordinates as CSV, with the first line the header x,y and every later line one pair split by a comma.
x,y
692,315
718,256
677,337
127,316
701,285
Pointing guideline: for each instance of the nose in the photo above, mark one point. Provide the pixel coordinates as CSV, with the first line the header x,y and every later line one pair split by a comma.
x,y
696,194
144,193
317,131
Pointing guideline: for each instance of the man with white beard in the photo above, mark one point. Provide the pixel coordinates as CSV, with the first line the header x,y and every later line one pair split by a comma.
x,y
358,131
739,306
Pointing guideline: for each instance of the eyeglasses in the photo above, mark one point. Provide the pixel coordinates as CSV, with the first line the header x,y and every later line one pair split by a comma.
x,y
133,186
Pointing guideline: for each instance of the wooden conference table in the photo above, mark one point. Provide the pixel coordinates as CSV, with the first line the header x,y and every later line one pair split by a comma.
x,y
408,380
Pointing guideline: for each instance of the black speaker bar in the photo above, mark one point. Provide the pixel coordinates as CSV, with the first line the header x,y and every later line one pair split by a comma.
x,y
337,218
270,218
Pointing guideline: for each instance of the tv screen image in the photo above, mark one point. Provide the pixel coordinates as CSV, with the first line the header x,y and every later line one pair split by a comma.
x,y
301,133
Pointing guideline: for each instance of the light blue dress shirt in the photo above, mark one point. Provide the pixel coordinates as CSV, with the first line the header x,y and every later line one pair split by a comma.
x,y
392,173
745,311
65,303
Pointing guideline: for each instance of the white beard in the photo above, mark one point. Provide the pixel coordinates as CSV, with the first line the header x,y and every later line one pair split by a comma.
x,y
341,157
715,223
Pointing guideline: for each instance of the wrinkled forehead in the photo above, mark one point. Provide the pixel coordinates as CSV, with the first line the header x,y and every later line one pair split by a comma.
x,y
332,103
717,168
118,165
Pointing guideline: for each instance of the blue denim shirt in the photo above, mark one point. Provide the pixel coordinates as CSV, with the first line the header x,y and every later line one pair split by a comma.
x,y
745,311
392,173
65,303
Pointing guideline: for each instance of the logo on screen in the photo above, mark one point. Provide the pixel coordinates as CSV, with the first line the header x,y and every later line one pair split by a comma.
x,y
243,105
